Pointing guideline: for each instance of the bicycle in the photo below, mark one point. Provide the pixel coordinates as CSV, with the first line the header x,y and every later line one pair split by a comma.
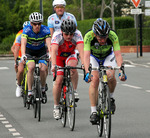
x,y
24,84
103,103
67,100
37,97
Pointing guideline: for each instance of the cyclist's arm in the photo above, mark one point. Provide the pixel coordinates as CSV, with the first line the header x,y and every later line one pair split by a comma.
x,y
48,42
23,45
52,31
80,49
86,60
54,50
17,48
119,58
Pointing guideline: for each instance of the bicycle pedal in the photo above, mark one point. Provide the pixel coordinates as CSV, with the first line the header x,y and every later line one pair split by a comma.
x,y
76,100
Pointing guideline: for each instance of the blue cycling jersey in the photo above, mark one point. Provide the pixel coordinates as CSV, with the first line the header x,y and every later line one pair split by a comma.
x,y
35,41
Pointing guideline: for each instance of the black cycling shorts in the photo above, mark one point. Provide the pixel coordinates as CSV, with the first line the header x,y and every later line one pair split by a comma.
x,y
37,53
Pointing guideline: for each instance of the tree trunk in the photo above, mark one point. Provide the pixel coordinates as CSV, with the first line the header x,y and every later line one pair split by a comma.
x,y
82,12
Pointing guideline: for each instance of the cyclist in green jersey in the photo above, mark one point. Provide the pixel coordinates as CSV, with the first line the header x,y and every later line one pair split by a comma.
x,y
101,45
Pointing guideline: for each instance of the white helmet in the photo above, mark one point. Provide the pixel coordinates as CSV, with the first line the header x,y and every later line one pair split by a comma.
x,y
59,2
26,23
36,17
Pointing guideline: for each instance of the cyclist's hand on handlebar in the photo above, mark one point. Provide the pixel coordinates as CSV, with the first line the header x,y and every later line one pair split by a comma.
x,y
87,78
122,77
23,59
53,68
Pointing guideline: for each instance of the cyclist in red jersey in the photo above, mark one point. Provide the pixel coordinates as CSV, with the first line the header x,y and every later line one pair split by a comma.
x,y
16,49
63,46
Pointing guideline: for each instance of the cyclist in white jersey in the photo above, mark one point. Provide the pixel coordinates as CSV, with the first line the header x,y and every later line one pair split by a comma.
x,y
55,20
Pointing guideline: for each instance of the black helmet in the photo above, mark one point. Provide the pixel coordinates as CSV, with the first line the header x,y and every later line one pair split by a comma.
x,y
68,26
101,27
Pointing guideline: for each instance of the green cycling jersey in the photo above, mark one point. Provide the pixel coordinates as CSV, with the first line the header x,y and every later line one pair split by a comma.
x,y
101,51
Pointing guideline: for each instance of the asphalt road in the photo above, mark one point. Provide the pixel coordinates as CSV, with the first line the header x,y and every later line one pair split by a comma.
x,y
131,119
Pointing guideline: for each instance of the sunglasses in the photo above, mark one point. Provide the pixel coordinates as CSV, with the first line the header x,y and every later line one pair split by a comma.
x,y
101,37
36,24
60,6
68,33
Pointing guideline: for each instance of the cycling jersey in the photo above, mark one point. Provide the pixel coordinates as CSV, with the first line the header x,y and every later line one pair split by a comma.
x,y
17,41
35,41
55,22
66,48
101,51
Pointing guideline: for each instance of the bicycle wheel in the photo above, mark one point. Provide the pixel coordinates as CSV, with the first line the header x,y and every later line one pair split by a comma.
x,y
71,106
107,114
38,99
63,110
35,103
100,125
25,91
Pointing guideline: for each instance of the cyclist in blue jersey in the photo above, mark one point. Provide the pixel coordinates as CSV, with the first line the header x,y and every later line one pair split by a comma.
x,y
33,42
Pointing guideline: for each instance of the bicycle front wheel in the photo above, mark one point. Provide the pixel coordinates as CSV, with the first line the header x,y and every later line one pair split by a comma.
x,y
38,99
107,114
63,110
71,106
100,125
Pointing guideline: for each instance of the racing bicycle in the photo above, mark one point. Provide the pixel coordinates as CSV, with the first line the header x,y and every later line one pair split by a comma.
x,y
103,103
67,100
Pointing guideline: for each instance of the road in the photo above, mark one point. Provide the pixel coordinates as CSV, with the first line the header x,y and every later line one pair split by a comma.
x,y
131,119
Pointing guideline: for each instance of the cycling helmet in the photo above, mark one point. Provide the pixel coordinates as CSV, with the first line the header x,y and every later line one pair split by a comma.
x,y
101,27
59,2
26,23
36,17
68,26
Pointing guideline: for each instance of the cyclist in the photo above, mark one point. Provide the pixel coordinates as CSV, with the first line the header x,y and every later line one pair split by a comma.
x,y
101,44
33,44
63,46
55,20
16,48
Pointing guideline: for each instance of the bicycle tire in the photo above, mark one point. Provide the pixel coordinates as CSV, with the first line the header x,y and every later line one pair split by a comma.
x,y
71,107
39,100
63,110
107,115
34,100
100,125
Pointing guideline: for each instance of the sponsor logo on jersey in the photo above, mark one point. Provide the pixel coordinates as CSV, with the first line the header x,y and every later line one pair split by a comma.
x,y
56,22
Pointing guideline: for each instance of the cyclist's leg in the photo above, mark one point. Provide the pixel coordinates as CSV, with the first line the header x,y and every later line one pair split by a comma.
x,y
110,61
93,91
20,73
19,79
43,72
31,66
72,61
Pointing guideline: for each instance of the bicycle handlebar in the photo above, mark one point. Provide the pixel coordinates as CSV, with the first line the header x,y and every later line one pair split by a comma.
x,y
66,68
101,67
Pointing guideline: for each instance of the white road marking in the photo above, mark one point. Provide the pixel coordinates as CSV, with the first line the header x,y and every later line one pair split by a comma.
x,y
2,118
10,128
131,86
16,134
5,122
130,66
3,68
147,90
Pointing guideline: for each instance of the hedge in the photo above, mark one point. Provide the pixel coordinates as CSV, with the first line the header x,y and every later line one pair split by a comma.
x,y
128,36
120,23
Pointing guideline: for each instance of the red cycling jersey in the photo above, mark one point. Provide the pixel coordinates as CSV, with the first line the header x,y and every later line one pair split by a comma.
x,y
66,49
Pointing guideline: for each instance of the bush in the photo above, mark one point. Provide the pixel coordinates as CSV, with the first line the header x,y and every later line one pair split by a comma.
x,y
120,23
146,42
7,43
